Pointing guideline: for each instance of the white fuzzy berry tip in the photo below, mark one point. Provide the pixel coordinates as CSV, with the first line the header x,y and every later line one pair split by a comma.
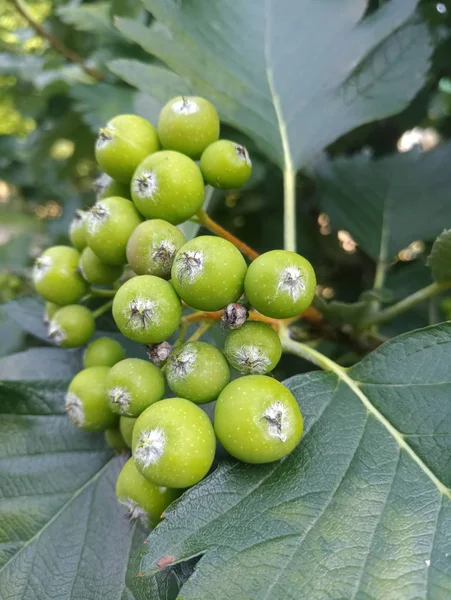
x,y
96,217
243,154
182,363
74,409
105,136
101,183
56,332
162,254
150,446
185,106
140,313
276,419
145,185
41,267
77,221
120,398
291,282
251,359
135,512
189,265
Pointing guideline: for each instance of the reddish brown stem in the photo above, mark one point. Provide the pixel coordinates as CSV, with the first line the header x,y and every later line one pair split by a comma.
x,y
214,227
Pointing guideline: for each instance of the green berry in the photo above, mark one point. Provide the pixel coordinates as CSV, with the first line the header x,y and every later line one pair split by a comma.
x,y
146,309
226,165
126,425
114,439
72,326
77,230
87,403
123,144
96,271
49,310
197,371
103,352
257,419
106,187
255,348
152,247
132,385
108,226
280,284
56,278
173,443
208,273
168,185
143,499
188,124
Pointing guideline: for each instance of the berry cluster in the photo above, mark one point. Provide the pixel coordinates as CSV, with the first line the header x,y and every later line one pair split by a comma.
x,y
151,184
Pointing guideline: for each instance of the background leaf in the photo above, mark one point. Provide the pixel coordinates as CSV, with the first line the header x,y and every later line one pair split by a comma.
x,y
439,259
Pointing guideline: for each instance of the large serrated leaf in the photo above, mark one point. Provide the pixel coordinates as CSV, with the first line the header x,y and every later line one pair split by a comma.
x,y
293,74
360,510
439,259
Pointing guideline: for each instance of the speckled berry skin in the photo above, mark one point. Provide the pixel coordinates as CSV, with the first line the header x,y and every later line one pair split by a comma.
x,y
197,371
280,284
87,403
114,439
255,348
173,443
49,310
123,143
226,165
188,124
72,326
143,499
106,187
56,278
126,425
108,227
77,230
152,247
257,419
103,352
168,185
208,273
96,271
132,385
146,309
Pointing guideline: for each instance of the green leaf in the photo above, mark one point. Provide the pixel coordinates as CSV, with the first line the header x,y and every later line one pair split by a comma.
x,y
93,18
101,102
293,76
439,259
41,363
361,509
386,204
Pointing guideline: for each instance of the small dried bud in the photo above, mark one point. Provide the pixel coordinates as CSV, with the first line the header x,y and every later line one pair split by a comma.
x,y
234,316
158,353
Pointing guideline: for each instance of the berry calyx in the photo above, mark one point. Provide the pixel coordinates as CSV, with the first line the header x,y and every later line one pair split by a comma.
x,y
234,316
197,371
208,273
173,443
147,309
106,187
280,284
77,230
144,500
152,246
226,165
56,277
108,226
257,419
126,425
72,326
132,385
168,185
96,271
103,352
123,143
87,403
188,124
158,353
255,348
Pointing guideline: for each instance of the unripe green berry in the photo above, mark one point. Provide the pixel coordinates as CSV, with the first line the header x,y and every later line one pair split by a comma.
x,y
114,439
226,165
280,284
126,425
132,385
108,226
152,247
72,326
56,277
168,185
123,144
173,443
96,271
197,371
188,124
77,230
143,499
257,419
208,273
87,403
103,352
49,310
106,187
255,348
146,309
